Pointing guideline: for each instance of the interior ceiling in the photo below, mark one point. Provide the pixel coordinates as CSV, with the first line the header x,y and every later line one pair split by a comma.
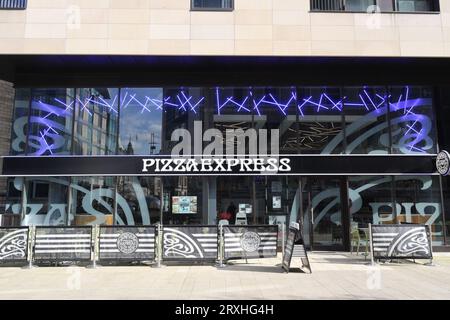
x,y
120,70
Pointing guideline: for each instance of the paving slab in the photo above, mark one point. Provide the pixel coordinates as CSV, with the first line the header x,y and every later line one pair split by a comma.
x,y
336,275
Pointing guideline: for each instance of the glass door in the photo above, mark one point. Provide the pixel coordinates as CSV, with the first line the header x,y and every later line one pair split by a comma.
x,y
322,209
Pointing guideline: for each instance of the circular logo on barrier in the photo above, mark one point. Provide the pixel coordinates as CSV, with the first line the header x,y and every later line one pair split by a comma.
x,y
443,163
250,241
127,243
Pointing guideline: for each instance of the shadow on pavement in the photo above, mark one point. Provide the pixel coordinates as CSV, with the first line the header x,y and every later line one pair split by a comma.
x,y
253,268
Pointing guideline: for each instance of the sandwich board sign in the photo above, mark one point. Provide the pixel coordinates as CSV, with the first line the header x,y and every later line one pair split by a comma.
x,y
295,248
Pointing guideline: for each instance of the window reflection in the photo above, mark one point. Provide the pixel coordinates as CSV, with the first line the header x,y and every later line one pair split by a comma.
x,y
45,201
419,200
20,121
141,114
92,201
138,200
96,120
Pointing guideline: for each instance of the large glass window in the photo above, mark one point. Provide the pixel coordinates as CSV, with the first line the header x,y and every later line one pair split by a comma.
x,y
419,200
309,120
400,199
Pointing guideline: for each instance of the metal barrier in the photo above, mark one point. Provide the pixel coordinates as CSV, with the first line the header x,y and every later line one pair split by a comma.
x,y
184,243
14,244
156,243
400,241
57,244
127,243
245,242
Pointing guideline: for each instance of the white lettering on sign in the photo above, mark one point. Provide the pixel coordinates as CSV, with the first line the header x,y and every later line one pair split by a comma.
x,y
216,165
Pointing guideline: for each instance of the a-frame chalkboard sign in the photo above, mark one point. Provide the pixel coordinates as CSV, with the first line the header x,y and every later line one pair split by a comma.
x,y
295,248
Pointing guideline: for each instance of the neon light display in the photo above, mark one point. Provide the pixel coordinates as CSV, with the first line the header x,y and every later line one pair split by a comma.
x,y
411,128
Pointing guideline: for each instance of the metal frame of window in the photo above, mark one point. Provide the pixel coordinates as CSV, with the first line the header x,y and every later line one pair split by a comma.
x,y
13,4
193,8
339,6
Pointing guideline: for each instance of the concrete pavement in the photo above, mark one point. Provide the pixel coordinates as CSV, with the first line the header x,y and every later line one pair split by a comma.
x,y
335,276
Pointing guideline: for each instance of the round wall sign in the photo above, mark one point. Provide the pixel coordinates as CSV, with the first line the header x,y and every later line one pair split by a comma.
x,y
443,163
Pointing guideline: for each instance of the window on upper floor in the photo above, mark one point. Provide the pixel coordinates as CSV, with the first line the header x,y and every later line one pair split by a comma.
x,y
13,4
212,5
376,5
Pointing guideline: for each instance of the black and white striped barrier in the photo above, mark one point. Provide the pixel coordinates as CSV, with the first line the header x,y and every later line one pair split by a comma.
x,y
130,243
184,243
246,242
400,241
106,244
57,244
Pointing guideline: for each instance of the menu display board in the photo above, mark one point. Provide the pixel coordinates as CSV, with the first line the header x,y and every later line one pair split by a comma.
x,y
184,205
276,202
245,208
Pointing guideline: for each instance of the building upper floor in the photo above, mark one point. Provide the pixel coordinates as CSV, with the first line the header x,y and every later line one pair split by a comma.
x,y
394,28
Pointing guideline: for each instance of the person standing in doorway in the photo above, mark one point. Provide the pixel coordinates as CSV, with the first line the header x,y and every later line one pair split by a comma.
x,y
232,211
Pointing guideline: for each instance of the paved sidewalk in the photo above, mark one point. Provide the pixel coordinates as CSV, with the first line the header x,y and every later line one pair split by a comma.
x,y
335,276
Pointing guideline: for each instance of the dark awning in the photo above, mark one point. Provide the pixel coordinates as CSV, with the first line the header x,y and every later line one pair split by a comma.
x,y
122,70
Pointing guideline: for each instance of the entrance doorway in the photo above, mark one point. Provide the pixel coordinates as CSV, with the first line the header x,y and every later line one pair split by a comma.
x,y
325,213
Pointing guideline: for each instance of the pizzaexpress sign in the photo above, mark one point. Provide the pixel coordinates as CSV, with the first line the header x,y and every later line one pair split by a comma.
x,y
159,165
219,165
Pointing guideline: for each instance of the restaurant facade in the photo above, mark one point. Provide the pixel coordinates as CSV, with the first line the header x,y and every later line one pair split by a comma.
x,y
342,142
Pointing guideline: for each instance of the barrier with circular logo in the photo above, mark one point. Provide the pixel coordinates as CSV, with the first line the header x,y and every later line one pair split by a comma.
x,y
246,242
127,243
